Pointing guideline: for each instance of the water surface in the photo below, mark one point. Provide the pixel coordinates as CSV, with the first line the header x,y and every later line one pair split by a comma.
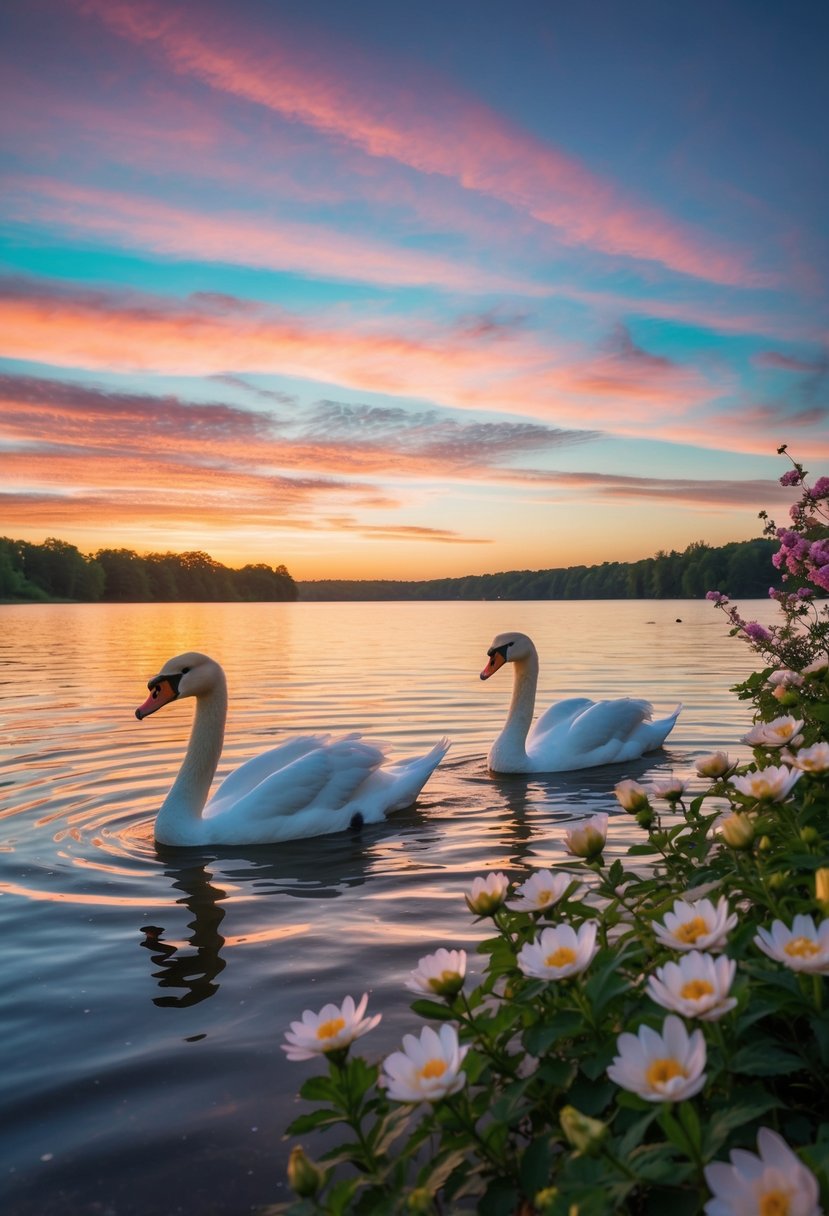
x,y
146,990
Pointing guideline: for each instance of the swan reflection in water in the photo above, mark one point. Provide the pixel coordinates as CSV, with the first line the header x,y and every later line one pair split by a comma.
x,y
190,972
187,972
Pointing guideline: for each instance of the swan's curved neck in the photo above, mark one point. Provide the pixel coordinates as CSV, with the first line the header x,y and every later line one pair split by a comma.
x,y
508,752
182,808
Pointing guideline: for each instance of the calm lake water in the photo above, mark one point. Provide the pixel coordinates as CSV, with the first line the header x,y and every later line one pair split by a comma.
x,y
146,992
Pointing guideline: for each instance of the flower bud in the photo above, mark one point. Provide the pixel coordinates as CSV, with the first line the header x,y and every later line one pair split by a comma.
x,y
785,696
645,818
737,830
584,1133
809,835
778,880
822,887
588,838
631,796
715,765
487,894
545,1199
421,1201
303,1176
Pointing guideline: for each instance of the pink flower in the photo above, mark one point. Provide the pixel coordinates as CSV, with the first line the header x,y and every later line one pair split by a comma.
x,y
757,632
820,489
821,577
716,597
792,478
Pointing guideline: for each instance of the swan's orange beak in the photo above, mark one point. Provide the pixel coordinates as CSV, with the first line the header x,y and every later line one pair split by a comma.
x,y
496,659
162,691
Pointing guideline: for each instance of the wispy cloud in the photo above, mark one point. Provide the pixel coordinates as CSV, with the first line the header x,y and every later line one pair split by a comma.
x,y
450,133
129,221
480,364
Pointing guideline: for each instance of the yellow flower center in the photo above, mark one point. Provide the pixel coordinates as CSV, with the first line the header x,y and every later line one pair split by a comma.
x,y
544,897
694,989
561,957
660,1072
774,1203
327,1030
691,930
433,1068
438,982
802,947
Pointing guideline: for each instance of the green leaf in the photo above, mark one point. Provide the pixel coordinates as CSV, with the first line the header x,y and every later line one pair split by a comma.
x,y
499,1199
431,1009
719,1125
635,1133
317,1118
690,1122
534,1170
764,1058
320,1089
538,1039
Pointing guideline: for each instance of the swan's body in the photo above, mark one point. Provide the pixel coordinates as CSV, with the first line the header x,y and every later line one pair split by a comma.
x,y
310,786
573,734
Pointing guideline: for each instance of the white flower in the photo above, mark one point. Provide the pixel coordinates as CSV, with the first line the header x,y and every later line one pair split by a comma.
x,y
771,784
697,925
804,947
588,838
487,894
333,1028
785,679
776,1182
541,890
631,796
774,734
427,1069
439,974
813,759
715,765
559,951
671,790
667,1067
697,986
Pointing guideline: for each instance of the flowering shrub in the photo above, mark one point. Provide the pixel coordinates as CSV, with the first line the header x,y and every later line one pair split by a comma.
x,y
640,1027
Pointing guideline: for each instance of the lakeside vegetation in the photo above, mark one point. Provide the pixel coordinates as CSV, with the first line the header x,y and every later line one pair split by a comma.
x,y
643,1022
56,570
743,568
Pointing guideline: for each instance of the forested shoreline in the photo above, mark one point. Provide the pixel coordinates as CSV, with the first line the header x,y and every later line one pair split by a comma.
x,y
740,568
58,570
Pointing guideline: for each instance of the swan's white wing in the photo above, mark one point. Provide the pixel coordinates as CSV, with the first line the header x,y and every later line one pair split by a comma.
x,y
324,779
249,774
560,712
601,724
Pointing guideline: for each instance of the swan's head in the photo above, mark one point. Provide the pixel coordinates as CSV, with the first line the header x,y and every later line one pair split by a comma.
x,y
187,675
506,648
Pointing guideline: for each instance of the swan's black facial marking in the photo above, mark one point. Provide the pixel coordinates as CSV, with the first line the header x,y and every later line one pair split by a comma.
x,y
501,650
356,821
173,680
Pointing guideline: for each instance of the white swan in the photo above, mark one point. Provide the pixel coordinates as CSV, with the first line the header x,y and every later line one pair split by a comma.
x,y
573,734
310,786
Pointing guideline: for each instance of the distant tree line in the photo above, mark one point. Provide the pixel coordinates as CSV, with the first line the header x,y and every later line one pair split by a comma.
x,y
57,570
742,568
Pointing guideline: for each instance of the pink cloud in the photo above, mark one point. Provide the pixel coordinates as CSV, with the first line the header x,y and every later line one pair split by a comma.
x,y
240,238
446,133
789,363
481,364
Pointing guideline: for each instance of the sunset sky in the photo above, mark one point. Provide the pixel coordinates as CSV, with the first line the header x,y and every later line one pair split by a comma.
x,y
410,290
